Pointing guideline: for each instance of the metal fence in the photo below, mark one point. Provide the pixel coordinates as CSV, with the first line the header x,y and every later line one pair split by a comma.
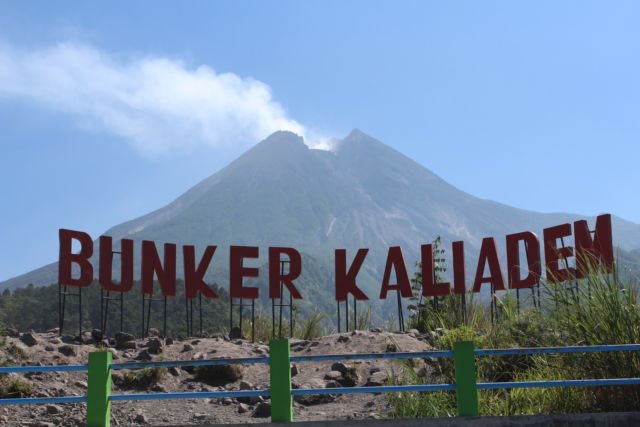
x,y
100,366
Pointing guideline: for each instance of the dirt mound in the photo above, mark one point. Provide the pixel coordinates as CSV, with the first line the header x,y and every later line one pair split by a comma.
x,y
51,349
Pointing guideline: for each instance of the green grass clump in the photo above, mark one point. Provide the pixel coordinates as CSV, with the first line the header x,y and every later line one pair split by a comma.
x,y
418,405
17,353
312,326
14,388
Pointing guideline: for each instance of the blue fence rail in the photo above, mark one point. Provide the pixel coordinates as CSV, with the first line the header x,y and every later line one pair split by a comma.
x,y
99,368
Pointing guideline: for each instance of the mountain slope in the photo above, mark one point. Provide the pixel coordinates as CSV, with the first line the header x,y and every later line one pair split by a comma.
x,y
363,194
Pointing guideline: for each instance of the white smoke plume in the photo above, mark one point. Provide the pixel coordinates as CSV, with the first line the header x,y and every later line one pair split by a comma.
x,y
153,102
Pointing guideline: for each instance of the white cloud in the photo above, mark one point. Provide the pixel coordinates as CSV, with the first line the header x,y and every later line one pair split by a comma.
x,y
155,103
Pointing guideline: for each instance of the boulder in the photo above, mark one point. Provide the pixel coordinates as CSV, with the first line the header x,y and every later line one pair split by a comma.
x,y
263,410
124,337
340,367
349,377
29,339
127,345
144,356
377,379
333,375
154,345
54,409
235,333
67,350
140,419
68,339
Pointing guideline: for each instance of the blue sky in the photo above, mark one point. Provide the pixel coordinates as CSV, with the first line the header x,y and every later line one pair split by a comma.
x,y
102,114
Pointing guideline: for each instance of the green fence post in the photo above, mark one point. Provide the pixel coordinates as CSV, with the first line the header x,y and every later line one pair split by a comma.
x,y
466,383
99,390
280,370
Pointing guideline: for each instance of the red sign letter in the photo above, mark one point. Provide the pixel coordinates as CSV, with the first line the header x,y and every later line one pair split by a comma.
x,y
81,259
532,252
346,281
151,264
238,272
431,288
194,277
597,252
276,276
553,254
459,281
106,265
489,253
396,261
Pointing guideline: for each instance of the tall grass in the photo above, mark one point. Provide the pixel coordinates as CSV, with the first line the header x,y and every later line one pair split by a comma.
x,y
601,309
312,326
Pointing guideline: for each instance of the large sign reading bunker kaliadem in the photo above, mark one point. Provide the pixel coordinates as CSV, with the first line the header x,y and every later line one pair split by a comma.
x,y
591,251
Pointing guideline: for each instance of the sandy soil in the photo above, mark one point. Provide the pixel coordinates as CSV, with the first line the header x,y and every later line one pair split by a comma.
x,y
50,349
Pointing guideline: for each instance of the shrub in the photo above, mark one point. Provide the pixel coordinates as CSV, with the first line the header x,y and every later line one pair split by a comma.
x,y
17,352
418,405
14,388
312,327
600,309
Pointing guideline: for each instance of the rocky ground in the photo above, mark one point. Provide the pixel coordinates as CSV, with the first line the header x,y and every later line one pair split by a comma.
x,y
51,349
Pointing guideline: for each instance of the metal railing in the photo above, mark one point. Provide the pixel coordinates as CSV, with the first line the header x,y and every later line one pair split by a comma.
x,y
42,400
466,386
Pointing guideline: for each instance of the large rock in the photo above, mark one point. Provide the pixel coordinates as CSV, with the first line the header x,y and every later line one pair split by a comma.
x,y
127,345
144,356
154,345
377,379
219,374
343,339
236,333
263,410
245,385
312,399
29,339
349,377
124,337
333,375
68,350
140,418
68,339
340,367
54,409
88,338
